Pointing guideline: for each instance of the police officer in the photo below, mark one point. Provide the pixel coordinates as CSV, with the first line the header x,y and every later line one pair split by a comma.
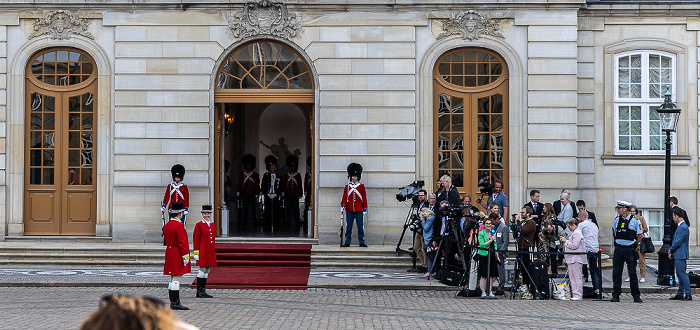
x,y
627,231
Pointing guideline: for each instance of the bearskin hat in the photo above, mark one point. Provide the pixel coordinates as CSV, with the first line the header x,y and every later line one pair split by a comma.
x,y
292,162
355,169
248,159
178,171
269,160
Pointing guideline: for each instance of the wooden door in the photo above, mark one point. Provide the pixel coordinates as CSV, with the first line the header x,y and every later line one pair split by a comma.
x,y
59,149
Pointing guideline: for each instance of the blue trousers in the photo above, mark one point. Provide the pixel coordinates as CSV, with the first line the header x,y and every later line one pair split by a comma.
x,y
593,267
683,280
350,218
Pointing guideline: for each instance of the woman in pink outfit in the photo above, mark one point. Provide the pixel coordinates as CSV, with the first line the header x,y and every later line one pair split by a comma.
x,y
575,262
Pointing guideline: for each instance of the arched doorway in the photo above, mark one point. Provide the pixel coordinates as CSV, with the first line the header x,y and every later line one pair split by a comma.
x,y
264,94
60,193
470,87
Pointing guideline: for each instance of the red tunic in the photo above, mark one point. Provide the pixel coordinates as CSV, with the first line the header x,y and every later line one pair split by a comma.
x,y
204,241
354,197
177,246
293,185
249,183
176,192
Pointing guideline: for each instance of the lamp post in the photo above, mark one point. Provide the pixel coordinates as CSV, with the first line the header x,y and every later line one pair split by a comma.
x,y
668,114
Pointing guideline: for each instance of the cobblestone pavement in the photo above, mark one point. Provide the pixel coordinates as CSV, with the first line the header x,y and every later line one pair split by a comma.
x,y
67,307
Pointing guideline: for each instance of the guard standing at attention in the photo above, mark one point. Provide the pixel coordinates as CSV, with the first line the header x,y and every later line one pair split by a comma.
x,y
204,249
177,253
248,189
175,192
272,190
307,193
354,204
292,192
627,231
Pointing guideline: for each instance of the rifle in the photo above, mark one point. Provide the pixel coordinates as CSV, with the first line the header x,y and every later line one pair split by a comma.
x,y
342,227
162,229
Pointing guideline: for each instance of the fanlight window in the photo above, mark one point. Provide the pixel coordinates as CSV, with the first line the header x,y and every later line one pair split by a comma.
x,y
61,68
264,65
470,68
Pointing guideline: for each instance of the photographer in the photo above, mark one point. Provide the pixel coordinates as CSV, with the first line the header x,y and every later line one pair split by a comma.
x,y
498,197
418,242
447,192
487,257
550,236
427,218
525,243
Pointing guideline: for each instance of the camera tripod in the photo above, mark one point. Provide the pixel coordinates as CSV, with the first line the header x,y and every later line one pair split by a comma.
x,y
519,266
413,254
453,235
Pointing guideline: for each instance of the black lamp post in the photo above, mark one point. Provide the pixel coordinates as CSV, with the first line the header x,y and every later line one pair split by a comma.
x,y
668,113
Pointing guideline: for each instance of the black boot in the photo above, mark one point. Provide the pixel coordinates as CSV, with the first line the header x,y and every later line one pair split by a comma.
x,y
201,288
175,301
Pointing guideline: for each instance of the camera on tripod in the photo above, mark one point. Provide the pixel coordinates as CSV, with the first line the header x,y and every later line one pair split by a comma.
x,y
415,223
485,188
472,222
409,191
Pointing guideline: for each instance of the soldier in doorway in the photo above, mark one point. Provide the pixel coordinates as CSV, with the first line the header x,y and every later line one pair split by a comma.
x,y
272,189
177,253
177,191
248,189
292,192
307,192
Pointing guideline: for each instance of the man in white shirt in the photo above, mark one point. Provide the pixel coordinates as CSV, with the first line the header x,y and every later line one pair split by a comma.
x,y
590,240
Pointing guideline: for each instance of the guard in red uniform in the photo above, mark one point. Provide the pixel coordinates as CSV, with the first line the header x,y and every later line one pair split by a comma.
x,y
177,253
354,204
204,249
248,189
272,189
292,192
177,191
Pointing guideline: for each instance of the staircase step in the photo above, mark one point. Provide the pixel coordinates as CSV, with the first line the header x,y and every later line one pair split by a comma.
x,y
262,263
263,256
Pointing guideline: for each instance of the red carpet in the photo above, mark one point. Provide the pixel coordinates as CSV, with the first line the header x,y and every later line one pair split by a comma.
x,y
260,266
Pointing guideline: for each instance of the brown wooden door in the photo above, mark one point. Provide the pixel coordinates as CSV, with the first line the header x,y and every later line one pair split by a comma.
x,y
59,168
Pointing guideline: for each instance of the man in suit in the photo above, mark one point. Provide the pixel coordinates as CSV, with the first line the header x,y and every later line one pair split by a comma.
x,y
679,254
581,206
673,201
558,204
502,241
272,189
537,207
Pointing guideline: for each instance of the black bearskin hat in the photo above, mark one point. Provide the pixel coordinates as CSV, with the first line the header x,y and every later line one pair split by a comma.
x,y
248,159
292,162
355,169
269,160
178,171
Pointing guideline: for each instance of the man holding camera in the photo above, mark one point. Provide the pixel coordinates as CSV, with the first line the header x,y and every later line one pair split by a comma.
x,y
498,197
418,242
525,242
447,192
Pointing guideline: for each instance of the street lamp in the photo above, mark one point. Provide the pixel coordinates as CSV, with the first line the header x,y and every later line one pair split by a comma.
x,y
668,113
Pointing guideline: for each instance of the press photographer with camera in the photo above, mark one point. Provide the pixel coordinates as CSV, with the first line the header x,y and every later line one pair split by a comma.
x,y
427,218
525,241
418,241
496,196
447,192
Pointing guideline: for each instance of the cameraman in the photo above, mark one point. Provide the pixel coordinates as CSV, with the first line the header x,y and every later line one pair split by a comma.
x,y
447,192
418,244
498,197
525,243
427,218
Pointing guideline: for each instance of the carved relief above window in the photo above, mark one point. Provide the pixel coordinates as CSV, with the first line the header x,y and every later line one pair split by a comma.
x,y
61,24
264,17
470,25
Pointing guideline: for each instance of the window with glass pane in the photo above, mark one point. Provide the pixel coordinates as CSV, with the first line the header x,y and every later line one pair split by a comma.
x,y
640,78
655,222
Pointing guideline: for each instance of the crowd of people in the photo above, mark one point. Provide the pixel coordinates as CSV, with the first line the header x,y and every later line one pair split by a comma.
x,y
563,235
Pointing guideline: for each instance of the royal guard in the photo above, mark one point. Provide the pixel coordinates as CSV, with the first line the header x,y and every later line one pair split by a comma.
x,y
248,188
204,249
292,191
272,189
176,192
307,192
354,204
177,253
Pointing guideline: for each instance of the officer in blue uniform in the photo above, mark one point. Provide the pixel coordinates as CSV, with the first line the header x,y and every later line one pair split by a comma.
x,y
627,231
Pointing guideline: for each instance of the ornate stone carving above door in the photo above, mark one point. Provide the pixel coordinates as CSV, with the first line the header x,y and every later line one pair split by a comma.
x,y
470,25
61,24
264,17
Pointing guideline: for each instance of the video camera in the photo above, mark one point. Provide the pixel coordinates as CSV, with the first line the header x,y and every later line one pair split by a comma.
x,y
485,188
415,223
409,191
514,228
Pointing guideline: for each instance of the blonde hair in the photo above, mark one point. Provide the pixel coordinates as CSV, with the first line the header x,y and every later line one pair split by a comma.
x,y
572,222
426,213
130,312
446,178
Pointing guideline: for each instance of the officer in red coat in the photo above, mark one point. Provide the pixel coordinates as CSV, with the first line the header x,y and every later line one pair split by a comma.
x,y
248,189
204,249
292,191
354,204
177,191
272,189
177,253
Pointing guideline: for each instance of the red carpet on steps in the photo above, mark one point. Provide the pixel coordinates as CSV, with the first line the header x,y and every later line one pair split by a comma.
x,y
260,266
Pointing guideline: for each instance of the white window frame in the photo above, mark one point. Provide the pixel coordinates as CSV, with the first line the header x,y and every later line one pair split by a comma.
x,y
646,213
645,102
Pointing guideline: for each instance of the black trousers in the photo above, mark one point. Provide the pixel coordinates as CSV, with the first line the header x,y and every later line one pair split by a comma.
x,y
248,203
291,204
274,213
625,255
